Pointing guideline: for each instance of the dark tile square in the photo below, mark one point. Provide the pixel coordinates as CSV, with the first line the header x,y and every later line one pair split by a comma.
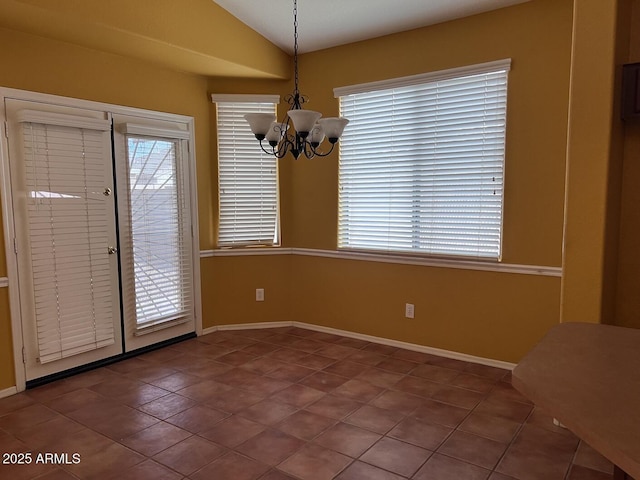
x,y
197,419
364,471
457,396
167,406
446,468
396,365
314,462
421,434
156,438
441,413
270,447
374,419
305,425
232,400
347,439
231,466
323,381
358,390
268,412
395,456
344,368
298,395
189,455
233,431
495,428
435,373
400,402
334,407
473,449
291,373
379,377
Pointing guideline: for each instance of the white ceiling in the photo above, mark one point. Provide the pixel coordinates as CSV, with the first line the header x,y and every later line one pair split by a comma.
x,y
328,23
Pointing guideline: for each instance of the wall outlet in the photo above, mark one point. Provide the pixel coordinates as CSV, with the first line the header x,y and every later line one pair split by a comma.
x,y
259,294
409,310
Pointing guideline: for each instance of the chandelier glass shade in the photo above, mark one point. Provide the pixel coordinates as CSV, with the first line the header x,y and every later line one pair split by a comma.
x,y
309,129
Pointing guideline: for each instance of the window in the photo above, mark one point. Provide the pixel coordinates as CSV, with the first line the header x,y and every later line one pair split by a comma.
x,y
247,177
159,226
154,180
421,163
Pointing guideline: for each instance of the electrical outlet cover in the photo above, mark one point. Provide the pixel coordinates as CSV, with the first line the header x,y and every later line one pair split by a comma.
x,y
409,310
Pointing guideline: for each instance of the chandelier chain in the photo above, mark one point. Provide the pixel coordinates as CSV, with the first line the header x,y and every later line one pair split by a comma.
x,y
295,45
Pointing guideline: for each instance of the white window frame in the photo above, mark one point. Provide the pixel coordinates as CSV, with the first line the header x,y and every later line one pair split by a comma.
x,y
242,221
178,133
393,156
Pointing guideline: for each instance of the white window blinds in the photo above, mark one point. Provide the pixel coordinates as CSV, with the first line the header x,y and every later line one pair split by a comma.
x,y
247,177
421,163
159,240
68,215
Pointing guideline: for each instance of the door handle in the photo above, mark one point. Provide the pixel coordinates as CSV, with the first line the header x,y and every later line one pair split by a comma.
x,y
112,250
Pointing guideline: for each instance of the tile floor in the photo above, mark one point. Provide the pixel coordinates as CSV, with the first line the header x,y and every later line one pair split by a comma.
x,y
288,403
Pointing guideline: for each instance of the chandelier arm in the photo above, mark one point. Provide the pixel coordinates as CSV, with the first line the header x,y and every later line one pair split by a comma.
x,y
308,150
281,150
285,146
318,153
265,150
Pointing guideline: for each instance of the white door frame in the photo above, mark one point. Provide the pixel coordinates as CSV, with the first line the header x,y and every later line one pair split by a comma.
x,y
8,210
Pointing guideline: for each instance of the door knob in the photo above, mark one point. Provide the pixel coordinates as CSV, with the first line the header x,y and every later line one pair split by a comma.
x,y
112,250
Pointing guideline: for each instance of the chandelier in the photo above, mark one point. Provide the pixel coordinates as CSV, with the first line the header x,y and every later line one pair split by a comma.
x,y
309,129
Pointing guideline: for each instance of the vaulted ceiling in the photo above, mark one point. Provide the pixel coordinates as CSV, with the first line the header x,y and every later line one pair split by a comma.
x,y
328,23
225,38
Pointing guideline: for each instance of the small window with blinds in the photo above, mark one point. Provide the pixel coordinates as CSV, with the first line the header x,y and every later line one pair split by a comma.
x,y
247,177
422,163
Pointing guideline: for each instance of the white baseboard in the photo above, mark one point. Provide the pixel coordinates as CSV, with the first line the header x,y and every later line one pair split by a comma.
x,y
7,392
246,326
369,338
207,331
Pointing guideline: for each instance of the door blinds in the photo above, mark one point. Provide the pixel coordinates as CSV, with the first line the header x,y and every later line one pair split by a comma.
x,y
67,220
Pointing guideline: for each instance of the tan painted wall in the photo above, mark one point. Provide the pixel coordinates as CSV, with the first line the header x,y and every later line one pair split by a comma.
x,y
7,371
230,283
491,315
593,152
628,284
195,36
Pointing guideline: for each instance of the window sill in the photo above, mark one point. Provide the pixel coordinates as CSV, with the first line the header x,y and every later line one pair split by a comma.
x,y
463,264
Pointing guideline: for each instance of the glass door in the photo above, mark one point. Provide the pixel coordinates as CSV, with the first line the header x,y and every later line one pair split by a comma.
x,y
156,230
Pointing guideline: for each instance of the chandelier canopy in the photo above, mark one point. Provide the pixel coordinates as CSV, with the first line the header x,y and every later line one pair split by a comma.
x,y
309,129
